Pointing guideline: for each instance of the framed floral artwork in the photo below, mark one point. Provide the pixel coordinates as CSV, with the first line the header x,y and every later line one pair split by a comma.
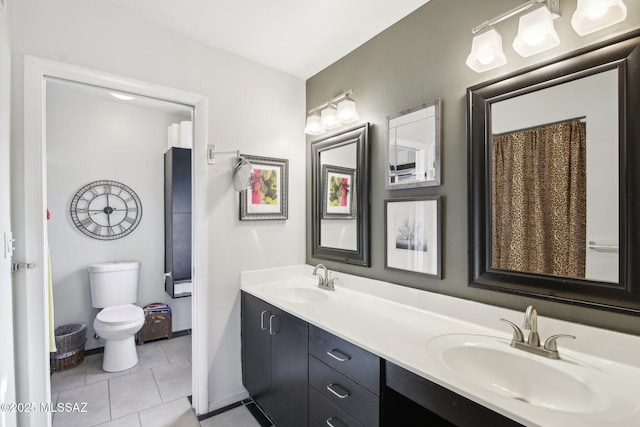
x,y
267,195
413,237
338,191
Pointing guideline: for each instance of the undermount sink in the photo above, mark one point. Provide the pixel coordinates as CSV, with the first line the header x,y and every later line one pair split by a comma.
x,y
491,363
304,295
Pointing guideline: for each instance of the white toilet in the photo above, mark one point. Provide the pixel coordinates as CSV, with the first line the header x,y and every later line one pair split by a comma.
x,y
114,288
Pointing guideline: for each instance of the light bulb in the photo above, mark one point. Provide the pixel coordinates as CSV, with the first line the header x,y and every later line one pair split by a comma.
x,y
329,117
314,126
486,58
535,39
347,111
597,12
486,52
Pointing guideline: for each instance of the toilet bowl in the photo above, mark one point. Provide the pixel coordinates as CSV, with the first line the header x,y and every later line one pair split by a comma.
x,y
114,289
117,326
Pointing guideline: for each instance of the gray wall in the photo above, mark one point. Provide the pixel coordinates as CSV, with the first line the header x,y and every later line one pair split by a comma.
x,y
418,59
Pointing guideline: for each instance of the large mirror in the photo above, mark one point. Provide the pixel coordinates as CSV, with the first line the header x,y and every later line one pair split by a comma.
x,y
413,147
340,197
553,156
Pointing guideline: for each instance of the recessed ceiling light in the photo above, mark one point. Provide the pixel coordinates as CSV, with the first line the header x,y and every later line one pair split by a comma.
x,y
121,96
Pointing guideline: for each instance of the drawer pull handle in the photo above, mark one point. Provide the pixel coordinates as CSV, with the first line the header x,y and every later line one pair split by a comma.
x,y
271,330
342,395
262,322
338,355
331,422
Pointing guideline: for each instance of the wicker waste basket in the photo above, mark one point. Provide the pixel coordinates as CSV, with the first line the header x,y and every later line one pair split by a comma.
x,y
70,341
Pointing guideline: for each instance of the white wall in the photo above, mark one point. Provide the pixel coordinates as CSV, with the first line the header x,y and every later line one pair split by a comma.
x,y
90,139
7,387
252,108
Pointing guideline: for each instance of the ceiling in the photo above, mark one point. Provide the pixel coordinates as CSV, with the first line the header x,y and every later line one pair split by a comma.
x,y
299,37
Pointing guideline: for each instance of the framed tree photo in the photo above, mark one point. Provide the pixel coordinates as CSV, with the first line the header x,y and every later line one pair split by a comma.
x,y
338,189
267,195
413,235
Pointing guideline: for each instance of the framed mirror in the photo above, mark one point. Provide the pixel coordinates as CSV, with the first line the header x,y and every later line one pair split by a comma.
x,y
413,147
554,181
340,197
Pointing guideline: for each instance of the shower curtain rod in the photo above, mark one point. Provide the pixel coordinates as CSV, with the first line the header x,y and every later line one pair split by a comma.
x,y
583,119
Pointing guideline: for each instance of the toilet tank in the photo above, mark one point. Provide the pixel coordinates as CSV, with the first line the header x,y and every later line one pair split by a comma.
x,y
114,283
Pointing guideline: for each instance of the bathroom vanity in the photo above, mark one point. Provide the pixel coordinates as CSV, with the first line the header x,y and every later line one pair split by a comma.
x,y
397,356
347,385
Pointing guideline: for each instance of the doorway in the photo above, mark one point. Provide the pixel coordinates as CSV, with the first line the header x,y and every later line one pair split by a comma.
x,y
34,380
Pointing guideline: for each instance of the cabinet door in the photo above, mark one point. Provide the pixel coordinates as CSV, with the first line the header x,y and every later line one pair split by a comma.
x,y
289,370
256,364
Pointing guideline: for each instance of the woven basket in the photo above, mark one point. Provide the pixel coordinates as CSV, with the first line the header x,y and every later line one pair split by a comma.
x,y
70,341
67,362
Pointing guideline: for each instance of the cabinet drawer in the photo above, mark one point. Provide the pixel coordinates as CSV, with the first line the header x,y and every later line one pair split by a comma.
x,y
323,413
358,364
354,399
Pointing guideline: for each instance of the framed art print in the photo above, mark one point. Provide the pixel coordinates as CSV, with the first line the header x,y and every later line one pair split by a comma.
x,y
267,196
338,189
413,235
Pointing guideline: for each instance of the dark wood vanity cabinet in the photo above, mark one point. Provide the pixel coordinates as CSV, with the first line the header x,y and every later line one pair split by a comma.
x,y
344,382
274,361
303,375
177,218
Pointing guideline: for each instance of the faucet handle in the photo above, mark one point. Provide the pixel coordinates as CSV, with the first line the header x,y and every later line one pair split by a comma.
x,y
332,281
517,333
550,343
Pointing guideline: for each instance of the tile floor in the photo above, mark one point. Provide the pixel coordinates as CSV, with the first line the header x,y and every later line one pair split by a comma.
x,y
152,393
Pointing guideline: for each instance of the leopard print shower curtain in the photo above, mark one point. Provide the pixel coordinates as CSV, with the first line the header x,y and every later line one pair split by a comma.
x,y
538,199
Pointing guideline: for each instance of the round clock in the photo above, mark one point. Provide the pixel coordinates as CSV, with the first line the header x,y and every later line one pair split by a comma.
x,y
106,210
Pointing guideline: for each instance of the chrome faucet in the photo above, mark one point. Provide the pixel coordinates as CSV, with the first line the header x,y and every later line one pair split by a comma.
x,y
531,323
550,348
324,282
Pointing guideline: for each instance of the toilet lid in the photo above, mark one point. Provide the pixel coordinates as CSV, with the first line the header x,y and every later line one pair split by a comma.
x,y
120,314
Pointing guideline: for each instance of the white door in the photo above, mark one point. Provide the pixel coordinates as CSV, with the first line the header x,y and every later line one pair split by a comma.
x,y
7,371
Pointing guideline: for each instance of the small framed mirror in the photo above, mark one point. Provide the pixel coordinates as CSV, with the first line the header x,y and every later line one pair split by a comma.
x,y
412,154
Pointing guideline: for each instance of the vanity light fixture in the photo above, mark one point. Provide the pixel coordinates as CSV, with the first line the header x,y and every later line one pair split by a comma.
x,y
332,114
347,111
329,117
593,15
486,52
536,33
314,124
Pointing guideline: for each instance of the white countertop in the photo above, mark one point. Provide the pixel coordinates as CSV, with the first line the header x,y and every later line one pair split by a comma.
x,y
396,323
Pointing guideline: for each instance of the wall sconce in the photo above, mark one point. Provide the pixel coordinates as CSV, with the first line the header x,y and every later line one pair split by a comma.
x,y
332,114
486,52
593,15
536,33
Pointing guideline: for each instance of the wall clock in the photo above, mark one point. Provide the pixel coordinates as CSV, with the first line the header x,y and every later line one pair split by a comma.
x,y
106,210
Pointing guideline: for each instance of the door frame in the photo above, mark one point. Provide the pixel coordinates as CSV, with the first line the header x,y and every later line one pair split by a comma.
x,y
33,379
